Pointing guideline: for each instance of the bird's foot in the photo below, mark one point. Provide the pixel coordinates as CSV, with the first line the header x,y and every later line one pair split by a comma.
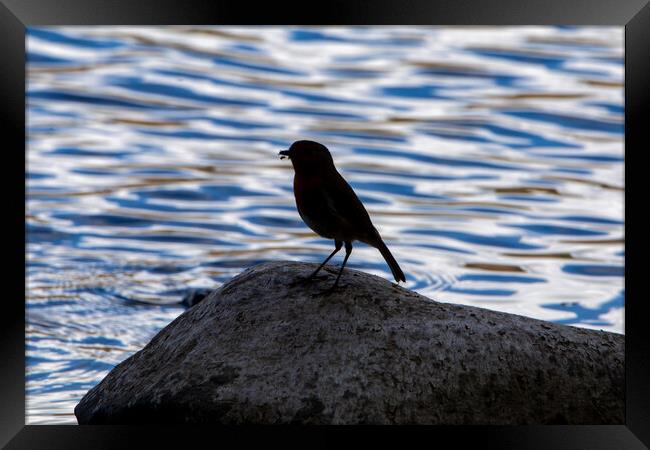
x,y
305,280
317,277
330,290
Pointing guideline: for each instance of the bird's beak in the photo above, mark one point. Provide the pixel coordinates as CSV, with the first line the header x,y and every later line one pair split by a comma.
x,y
284,153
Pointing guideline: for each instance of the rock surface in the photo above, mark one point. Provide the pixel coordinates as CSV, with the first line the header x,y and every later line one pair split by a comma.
x,y
195,296
268,348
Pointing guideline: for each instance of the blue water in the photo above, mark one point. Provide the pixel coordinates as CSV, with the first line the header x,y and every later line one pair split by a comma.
x,y
490,159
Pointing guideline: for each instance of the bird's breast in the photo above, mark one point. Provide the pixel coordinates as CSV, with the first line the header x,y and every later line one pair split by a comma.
x,y
309,201
305,188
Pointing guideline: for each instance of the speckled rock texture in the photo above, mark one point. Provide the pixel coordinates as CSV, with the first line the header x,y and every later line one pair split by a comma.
x,y
268,348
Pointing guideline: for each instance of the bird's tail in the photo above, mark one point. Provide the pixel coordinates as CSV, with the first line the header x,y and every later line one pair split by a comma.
x,y
394,267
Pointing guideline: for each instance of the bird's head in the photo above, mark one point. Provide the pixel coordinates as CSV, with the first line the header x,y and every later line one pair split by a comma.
x,y
308,155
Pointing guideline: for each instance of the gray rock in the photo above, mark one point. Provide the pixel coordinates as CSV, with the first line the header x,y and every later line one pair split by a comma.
x,y
265,349
195,296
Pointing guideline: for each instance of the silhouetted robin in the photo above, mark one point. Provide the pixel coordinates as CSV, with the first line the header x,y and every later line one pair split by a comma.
x,y
329,206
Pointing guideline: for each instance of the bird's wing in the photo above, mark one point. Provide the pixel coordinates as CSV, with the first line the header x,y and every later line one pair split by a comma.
x,y
341,200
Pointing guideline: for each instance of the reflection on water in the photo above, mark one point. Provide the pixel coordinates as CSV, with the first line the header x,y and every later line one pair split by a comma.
x,y
491,160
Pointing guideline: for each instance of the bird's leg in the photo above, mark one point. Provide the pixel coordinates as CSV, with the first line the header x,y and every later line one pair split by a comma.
x,y
348,252
337,245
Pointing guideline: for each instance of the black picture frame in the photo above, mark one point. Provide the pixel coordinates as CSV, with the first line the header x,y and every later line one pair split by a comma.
x,y
16,15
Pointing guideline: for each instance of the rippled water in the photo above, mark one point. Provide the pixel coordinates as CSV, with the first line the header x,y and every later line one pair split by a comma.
x,y
491,161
